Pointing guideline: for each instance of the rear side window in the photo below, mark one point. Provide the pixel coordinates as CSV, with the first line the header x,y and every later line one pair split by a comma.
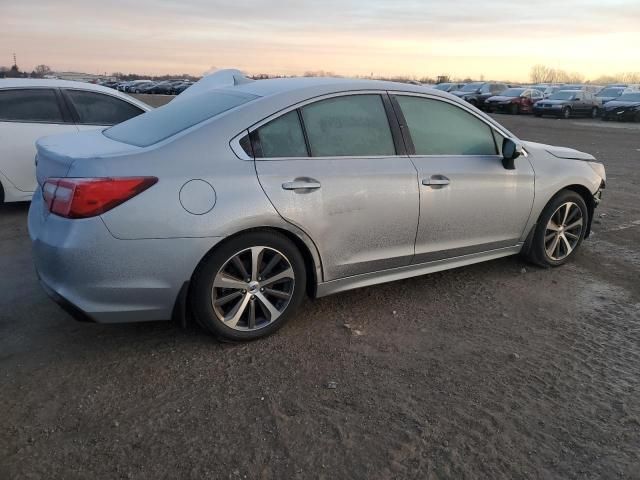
x,y
176,116
354,125
440,128
282,137
100,109
30,105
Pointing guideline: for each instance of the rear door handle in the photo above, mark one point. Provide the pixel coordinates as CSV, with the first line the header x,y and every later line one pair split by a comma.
x,y
436,181
301,185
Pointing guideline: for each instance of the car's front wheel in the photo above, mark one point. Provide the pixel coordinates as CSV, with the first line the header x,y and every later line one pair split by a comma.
x,y
560,230
249,286
566,112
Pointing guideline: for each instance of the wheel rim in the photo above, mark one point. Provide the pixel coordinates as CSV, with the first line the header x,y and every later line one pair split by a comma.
x,y
253,288
563,231
567,113
594,113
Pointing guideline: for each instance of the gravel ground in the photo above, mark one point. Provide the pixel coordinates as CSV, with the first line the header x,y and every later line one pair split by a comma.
x,y
498,370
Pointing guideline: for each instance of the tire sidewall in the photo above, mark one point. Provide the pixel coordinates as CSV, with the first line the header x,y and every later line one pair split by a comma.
x,y
538,247
202,283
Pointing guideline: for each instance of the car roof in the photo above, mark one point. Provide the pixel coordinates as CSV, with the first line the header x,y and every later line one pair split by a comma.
x,y
55,83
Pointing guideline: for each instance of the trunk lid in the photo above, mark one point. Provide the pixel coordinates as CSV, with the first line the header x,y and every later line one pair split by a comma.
x,y
56,154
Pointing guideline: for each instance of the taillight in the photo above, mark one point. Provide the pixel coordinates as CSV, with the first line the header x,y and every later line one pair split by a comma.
x,y
88,197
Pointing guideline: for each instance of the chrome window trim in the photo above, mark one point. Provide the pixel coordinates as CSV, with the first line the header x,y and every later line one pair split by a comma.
x,y
235,142
456,104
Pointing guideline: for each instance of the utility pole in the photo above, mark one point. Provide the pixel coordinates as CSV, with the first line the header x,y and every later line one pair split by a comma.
x,y
15,63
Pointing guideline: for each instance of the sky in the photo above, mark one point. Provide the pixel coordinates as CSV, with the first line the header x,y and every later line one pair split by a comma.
x,y
497,39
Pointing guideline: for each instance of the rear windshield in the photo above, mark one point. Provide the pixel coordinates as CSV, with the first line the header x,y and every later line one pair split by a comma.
x,y
174,117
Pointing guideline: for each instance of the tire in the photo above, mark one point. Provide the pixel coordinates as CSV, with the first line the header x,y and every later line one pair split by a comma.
x,y
227,311
636,117
539,115
605,118
566,113
514,109
543,251
594,112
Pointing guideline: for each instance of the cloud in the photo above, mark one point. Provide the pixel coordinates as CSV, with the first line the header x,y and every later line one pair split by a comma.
x,y
345,36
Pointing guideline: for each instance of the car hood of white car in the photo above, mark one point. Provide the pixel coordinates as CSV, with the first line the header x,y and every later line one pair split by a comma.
x,y
561,152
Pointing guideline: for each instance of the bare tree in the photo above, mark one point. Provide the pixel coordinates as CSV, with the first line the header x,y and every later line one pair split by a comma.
x,y
41,70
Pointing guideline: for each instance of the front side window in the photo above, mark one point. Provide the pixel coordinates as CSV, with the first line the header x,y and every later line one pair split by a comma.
x,y
99,109
354,125
30,105
282,137
440,128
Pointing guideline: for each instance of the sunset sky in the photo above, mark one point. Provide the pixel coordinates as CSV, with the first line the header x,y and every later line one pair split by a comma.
x,y
499,39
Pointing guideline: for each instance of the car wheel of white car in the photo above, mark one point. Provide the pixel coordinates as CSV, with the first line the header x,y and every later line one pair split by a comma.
x,y
249,286
560,230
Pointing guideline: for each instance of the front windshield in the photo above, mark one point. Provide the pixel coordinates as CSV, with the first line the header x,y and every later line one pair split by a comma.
x,y
471,87
564,95
610,92
512,92
630,97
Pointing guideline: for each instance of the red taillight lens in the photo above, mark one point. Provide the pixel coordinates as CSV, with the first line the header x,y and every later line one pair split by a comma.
x,y
88,197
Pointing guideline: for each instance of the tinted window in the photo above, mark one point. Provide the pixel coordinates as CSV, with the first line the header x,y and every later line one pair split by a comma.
x,y
99,109
354,125
37,105
282,137
439,128
175,116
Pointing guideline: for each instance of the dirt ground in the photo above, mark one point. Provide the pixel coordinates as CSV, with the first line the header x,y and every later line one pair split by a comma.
x,y
498,370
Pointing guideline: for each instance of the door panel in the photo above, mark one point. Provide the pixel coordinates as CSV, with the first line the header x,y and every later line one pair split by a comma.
x,y
482,207
362,213
18,151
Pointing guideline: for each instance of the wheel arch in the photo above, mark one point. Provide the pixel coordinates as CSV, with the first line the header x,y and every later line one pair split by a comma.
x,y
308,250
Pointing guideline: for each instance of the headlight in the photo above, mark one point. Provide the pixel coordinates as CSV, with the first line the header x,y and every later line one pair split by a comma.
x,y
599,169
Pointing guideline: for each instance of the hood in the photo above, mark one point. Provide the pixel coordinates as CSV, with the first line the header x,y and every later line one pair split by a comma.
x,y
459,93
561,152
501,98
620,104
546,101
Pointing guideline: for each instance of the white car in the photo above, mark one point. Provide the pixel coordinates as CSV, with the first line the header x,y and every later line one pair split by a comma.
x,y
34,108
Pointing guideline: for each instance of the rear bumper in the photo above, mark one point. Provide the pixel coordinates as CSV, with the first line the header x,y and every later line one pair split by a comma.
x,y
97,277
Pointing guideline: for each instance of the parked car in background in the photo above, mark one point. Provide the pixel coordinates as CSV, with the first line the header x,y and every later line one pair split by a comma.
x,y
34,108
449,87
594,89
550,90
288,186
476,93
141,86
181,87
625,107
109,84
568,103
166,87
610,93
513,101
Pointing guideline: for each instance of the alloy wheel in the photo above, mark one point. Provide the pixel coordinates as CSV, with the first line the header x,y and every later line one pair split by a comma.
x,y
253,288
563,231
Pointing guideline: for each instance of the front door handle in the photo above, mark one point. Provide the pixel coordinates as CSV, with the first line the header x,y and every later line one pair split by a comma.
x,y
436,181
301,185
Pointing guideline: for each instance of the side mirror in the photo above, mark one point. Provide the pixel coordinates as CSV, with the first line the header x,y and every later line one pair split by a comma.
x,y
510,151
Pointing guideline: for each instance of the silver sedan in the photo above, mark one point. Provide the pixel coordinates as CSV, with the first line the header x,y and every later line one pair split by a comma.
x,y
233,202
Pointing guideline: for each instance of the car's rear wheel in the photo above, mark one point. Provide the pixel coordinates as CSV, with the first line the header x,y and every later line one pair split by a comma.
x,y
249,286
566,112
560,230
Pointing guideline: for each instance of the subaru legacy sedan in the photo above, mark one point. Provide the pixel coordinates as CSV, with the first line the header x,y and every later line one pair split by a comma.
x,y
233,202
